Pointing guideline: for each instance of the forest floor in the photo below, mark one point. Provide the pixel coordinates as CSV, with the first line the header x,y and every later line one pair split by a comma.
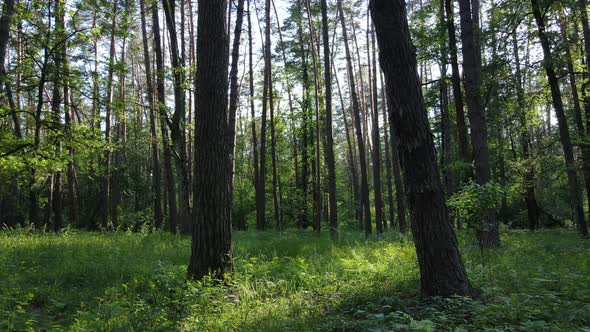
x,y
294,281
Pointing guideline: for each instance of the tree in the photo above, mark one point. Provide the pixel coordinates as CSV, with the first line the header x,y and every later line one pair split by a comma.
x,y
211,244
357,124
487,231
329,151
158,216
441,267
178,118
564,135
462,141
257,183
531,201
107,209
376,153
234,88
164,122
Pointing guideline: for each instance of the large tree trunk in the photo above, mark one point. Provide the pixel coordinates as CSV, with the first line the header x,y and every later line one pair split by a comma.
x,y
357,124
211,243
329,152
400,195
164,122
441,267
487,231
574,186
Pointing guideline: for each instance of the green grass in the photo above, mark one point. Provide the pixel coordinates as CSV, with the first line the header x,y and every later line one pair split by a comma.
x,y
293,281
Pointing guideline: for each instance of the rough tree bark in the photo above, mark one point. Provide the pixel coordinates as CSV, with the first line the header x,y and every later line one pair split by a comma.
x,y
388,164
211,245
441,267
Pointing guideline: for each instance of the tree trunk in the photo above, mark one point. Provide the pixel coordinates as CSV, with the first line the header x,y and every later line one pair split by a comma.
x,y
56,100
178,118
5,21
574,186
290,99
487,231
158,216
462,141
400,195
273,141
71,171
388,164
261,192
448,174
303,218
357,124
586,85
257,183
441,267
106,189
164,122
329,152
581,131
234,89
316,165
211,245
34,209
376,144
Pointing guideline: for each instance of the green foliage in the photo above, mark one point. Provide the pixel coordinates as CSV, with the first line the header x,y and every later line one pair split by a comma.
x,y
292,281
472,200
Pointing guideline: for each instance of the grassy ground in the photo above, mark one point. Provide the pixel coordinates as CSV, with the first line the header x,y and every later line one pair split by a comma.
x,y
287,282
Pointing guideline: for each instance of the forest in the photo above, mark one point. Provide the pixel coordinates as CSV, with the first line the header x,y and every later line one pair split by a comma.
x,y
303,165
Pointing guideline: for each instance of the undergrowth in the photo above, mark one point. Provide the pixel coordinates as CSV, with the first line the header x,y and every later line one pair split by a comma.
x,y
293,281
